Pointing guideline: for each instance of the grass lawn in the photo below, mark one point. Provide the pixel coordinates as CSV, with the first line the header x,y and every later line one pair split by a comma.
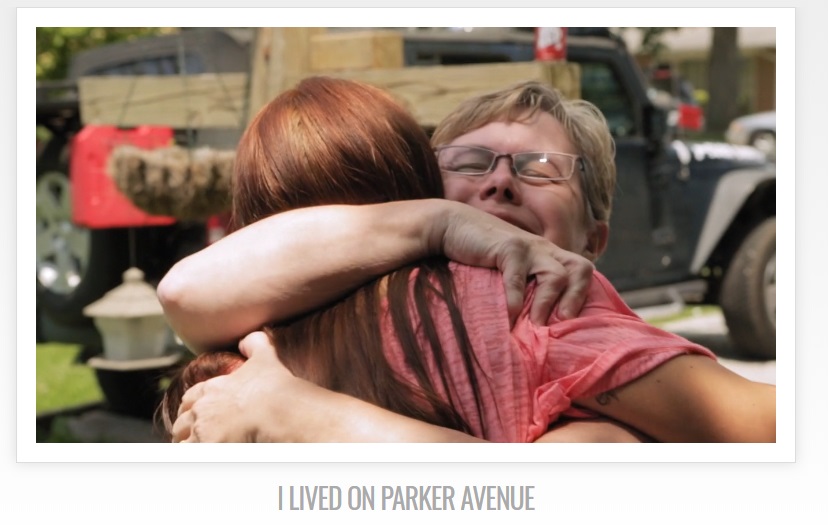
x,y
63,380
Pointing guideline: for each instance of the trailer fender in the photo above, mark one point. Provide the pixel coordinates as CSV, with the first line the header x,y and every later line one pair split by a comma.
x,y
731,193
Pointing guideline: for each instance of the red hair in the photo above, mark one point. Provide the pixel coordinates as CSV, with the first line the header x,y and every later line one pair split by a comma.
x,y
202,368
334,141
331,141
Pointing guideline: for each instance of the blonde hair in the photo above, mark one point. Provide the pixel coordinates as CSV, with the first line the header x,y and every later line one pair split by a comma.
x,y
584,123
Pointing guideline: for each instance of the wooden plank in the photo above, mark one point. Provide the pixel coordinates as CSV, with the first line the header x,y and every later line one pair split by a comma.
x,y
188,101
431,92
358,50
282,57
203,101
259,89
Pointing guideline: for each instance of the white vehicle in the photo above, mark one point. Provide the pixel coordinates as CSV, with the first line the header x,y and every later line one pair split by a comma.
x,y
757,130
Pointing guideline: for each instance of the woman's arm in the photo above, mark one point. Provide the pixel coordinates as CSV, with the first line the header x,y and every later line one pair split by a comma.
x,y
295,261
598,430
262,401
693,398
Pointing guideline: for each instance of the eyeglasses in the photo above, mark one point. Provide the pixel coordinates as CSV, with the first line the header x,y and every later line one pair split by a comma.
x,y
532,167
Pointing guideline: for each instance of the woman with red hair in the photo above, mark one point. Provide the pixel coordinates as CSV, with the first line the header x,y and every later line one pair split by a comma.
x,y
434,341
401,342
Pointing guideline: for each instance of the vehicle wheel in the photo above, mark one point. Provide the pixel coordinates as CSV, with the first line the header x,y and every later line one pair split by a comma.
x,y
748,294
75,265
134,393
765,141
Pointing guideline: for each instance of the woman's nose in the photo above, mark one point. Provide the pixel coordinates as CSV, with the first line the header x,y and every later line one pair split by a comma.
x,y
501,184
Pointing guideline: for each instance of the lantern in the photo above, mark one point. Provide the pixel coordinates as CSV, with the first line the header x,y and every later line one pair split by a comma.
x,y
130,320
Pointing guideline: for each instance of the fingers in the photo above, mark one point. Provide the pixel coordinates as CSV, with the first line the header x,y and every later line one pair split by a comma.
x,y
182,428
568,285
548,291
256,343
544,262
190,397
515,284
514,267
563,279
261,355
573,299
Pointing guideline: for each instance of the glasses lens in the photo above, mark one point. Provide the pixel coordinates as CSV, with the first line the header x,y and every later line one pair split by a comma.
x,y
544,166
462,159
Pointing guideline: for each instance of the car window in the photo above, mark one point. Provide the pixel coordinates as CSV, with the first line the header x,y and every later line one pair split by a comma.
x,y
165,65
601,86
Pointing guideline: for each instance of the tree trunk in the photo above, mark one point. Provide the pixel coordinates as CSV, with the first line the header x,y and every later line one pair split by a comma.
x,y
723,79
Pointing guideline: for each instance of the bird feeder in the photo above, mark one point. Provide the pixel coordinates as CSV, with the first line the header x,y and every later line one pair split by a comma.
x,y
130,320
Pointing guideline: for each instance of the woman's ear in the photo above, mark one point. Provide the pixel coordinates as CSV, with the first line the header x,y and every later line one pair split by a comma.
x,y
597,239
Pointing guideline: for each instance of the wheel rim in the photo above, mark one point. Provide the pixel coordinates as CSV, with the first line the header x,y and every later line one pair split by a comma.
x,y
62,247
769,285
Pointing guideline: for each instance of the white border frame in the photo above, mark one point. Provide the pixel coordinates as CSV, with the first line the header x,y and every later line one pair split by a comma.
x,y
781,18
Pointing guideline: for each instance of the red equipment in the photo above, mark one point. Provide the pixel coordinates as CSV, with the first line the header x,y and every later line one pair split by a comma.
x,y
96,201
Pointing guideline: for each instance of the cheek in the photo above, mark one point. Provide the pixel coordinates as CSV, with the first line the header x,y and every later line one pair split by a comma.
x,y
561,221
457,189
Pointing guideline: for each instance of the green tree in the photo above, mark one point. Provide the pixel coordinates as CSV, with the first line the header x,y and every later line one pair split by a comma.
x,y
651,41
56,45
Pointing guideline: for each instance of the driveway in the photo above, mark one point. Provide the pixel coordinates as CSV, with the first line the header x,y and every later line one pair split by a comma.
x,y
710,330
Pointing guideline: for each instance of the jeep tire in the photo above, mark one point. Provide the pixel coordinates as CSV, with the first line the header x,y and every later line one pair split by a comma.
x,y
75,265
748,294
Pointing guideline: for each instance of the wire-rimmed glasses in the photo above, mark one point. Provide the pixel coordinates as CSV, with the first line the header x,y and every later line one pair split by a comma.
x,y
538,167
